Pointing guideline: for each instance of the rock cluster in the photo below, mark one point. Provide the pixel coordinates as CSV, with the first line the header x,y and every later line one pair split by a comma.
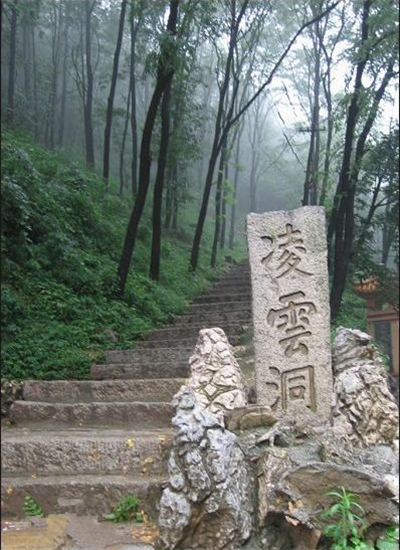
x,y
207,501
216,378
296,461
363,404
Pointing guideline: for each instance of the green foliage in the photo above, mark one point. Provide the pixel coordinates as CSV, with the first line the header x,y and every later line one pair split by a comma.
x,y
352,313
348,525
126,510
390,540
61,241
32,508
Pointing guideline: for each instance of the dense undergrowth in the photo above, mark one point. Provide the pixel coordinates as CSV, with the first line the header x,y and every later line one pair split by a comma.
x,y
61,241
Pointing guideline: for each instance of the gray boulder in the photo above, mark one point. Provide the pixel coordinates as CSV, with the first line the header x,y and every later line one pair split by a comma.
x,y
363,403
207,503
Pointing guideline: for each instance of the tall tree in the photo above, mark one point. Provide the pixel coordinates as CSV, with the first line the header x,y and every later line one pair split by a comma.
x,y
342,221
110,101
165,73
88,103
221,131
11,65
67,25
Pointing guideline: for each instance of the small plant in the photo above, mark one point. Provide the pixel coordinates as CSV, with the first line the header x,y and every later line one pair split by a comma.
x,y
347,530
390,540
32,508
126,510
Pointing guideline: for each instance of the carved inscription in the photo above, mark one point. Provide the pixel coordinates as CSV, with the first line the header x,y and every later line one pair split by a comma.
x,y
298,385
295,385
291,310
292,320
289,251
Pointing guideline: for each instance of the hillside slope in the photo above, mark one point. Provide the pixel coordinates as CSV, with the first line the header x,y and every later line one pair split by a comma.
x,y
61,240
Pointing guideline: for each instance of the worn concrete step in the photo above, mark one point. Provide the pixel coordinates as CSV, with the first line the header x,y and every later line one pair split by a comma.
x,y
148,355
135,415
173,332
149,372
86,391
80,494
217,290
69,452
222,297
219,307
241,316
179,343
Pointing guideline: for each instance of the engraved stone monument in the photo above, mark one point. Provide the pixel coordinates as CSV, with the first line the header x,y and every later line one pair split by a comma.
x,y
289,276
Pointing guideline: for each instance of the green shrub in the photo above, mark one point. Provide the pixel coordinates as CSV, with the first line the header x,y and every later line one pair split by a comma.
x,y
126,510
61,242
32,508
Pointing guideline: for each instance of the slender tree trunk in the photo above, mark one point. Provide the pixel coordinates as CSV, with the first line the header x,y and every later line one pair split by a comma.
x,y
218,193
88,106
34,82
110,100
11,65
223,207
235,188
134,130
164,76
61,128
175,206
27,66
159,184
122,152
311,180
387,237
253,181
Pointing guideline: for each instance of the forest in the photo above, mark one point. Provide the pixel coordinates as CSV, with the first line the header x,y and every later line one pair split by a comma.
x,y
137,135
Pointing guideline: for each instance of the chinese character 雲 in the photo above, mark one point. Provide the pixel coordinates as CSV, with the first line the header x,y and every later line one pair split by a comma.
x,y
292,320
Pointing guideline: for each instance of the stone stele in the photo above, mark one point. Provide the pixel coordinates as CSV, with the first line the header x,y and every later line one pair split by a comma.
x,y
289,276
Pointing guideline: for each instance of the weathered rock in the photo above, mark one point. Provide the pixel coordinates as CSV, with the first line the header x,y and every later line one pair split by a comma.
x,y
207,501
11,390
252,416
288,261
363,404
216,378
295,481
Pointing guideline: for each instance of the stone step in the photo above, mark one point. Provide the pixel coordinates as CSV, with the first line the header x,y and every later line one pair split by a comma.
x,y
241,316
69,452
222,297
228,289
148,355
86,391
170,370
135,415
173,332
179,343
79,494
219,307
233,278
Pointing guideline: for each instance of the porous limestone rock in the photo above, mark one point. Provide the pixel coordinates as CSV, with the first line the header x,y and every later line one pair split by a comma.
x,y
363,404
215,377
293,483
207,503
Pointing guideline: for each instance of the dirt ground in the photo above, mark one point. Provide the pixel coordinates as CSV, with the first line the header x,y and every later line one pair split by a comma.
x,y
69,532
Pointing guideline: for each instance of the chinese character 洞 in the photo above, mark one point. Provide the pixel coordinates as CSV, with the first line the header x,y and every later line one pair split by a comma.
x,y
292,320
298,385
290,251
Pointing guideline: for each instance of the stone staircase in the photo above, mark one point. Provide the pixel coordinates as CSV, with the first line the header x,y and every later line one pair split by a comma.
x,y
78,446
